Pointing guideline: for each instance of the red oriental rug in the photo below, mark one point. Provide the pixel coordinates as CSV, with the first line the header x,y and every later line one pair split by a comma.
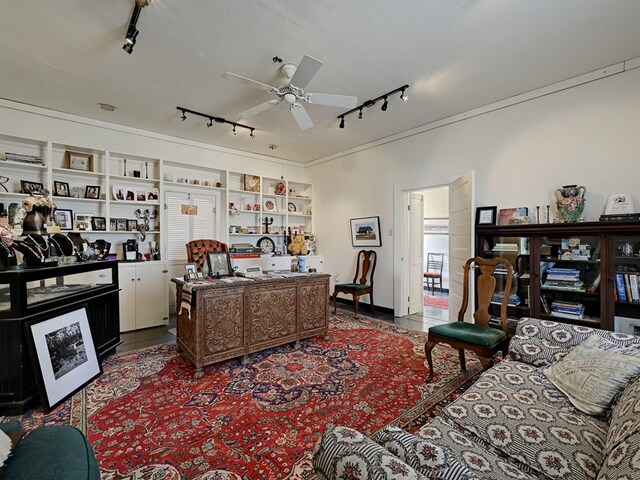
x,y
148,418
437,301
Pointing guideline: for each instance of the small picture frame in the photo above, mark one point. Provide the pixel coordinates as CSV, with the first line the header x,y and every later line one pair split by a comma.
x,y
192,272
63,355
219,264
113,225
29,187
63,218
61,189
132,225
486,215
270,205
365,232
78,161
92,191
82,222
121,224
251,183
152,194
99,224
507,216
141,196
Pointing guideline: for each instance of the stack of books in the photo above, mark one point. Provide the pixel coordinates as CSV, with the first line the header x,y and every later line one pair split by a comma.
x,y
513,301
505,247
563,309
18,157
563,279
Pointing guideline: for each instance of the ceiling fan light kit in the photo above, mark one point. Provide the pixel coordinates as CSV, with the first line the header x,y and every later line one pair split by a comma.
x,y
211,119
296,79
371,103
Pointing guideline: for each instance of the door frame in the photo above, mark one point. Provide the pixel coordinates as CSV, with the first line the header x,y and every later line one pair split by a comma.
x,y
401,192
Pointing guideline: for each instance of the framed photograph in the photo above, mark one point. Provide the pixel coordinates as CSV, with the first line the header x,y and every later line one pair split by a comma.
x,y
121,224
130,195
152,194
141,196
486,215
113,225
365,232
78,161
30,187
132,225
251,183
192,272
63,354
61,189
99,223
219,264
92,191
507,216
270,205
77,192
63,218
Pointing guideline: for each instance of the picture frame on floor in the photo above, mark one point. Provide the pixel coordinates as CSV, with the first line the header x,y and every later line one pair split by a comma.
x,y
63,354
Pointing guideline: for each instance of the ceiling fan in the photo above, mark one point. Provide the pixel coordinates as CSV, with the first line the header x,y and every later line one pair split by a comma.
x,y
292,92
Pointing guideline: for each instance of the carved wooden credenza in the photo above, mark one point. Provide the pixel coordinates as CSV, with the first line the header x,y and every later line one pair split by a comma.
x,y
232,317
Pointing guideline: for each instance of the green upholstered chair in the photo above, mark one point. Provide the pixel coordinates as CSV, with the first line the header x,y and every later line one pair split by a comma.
x,y
362,281
477,337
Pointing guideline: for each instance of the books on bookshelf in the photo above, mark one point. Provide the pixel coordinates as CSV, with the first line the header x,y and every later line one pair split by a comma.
x,y
627,287
513,301
17,157
563,279
505,247
563,309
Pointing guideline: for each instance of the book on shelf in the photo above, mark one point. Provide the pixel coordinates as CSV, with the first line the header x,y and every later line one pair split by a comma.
x,y
497,322
17,157
567,315
627,287
633,283
594,285
620,288
505,247
545,305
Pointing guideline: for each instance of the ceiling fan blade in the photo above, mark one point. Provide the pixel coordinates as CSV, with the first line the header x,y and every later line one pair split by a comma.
x,y
249,82
301,116
342,101
258,108
307,69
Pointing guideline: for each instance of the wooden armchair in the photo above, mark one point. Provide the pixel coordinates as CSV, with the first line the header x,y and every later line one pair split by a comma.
x,y
435,261
197,250
362,281
477,337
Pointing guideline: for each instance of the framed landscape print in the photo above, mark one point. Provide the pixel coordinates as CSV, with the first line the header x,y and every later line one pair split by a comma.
x,y
365,232
63,354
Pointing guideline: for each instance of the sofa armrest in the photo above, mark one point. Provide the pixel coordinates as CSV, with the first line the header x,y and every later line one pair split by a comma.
x,y
342,452
543,342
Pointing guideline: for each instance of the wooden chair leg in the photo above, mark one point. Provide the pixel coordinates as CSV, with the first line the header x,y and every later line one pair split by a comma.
x,y
428,346
463,362
487,363
356,301
371,300
335,302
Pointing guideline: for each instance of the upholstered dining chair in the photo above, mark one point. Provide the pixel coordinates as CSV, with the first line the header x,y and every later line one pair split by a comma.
x,y
197,250
477,337
362,281
434,271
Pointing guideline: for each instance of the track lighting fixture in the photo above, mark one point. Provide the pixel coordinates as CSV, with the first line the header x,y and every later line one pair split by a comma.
x,y
132,31
211,119
371,103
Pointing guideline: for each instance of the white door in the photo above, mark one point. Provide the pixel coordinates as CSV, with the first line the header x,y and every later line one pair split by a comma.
x,y
416,252
461,229
151,287
127,279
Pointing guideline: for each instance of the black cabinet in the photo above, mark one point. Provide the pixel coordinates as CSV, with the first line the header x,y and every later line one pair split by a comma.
x,y
41,293
568,271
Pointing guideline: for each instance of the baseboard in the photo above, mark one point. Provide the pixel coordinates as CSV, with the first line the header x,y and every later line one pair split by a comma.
x,y
367,306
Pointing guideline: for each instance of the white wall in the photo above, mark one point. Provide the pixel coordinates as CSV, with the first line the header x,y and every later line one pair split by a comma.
x,y
586,134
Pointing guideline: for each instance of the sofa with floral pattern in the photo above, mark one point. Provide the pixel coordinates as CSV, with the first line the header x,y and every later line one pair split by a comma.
x,y
512,423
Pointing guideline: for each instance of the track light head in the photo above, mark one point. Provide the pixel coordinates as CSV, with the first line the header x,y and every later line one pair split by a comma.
x,y
210,123
130,39
385,105
234,130
403,97
360,114
252,135
183,117
341,122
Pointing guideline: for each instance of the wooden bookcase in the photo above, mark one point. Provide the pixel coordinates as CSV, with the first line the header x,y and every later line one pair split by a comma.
x,y
567,271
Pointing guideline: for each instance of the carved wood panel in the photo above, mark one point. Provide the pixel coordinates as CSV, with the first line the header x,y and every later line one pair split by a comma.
x,y
312,313
271,312
223,323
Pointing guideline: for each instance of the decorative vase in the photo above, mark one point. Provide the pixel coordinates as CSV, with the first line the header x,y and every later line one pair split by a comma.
x,y
570,202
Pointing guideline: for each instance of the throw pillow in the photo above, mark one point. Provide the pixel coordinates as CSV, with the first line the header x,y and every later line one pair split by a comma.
x,y
594,373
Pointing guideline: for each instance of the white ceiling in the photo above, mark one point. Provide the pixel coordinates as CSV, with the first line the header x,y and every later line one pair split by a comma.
x,y
456,55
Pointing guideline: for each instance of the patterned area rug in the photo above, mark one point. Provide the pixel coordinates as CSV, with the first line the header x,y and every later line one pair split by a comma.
x,y
437,301
148,418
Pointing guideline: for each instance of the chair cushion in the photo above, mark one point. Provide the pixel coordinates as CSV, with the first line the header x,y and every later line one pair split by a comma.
x,y
471,333
352,287
432,275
